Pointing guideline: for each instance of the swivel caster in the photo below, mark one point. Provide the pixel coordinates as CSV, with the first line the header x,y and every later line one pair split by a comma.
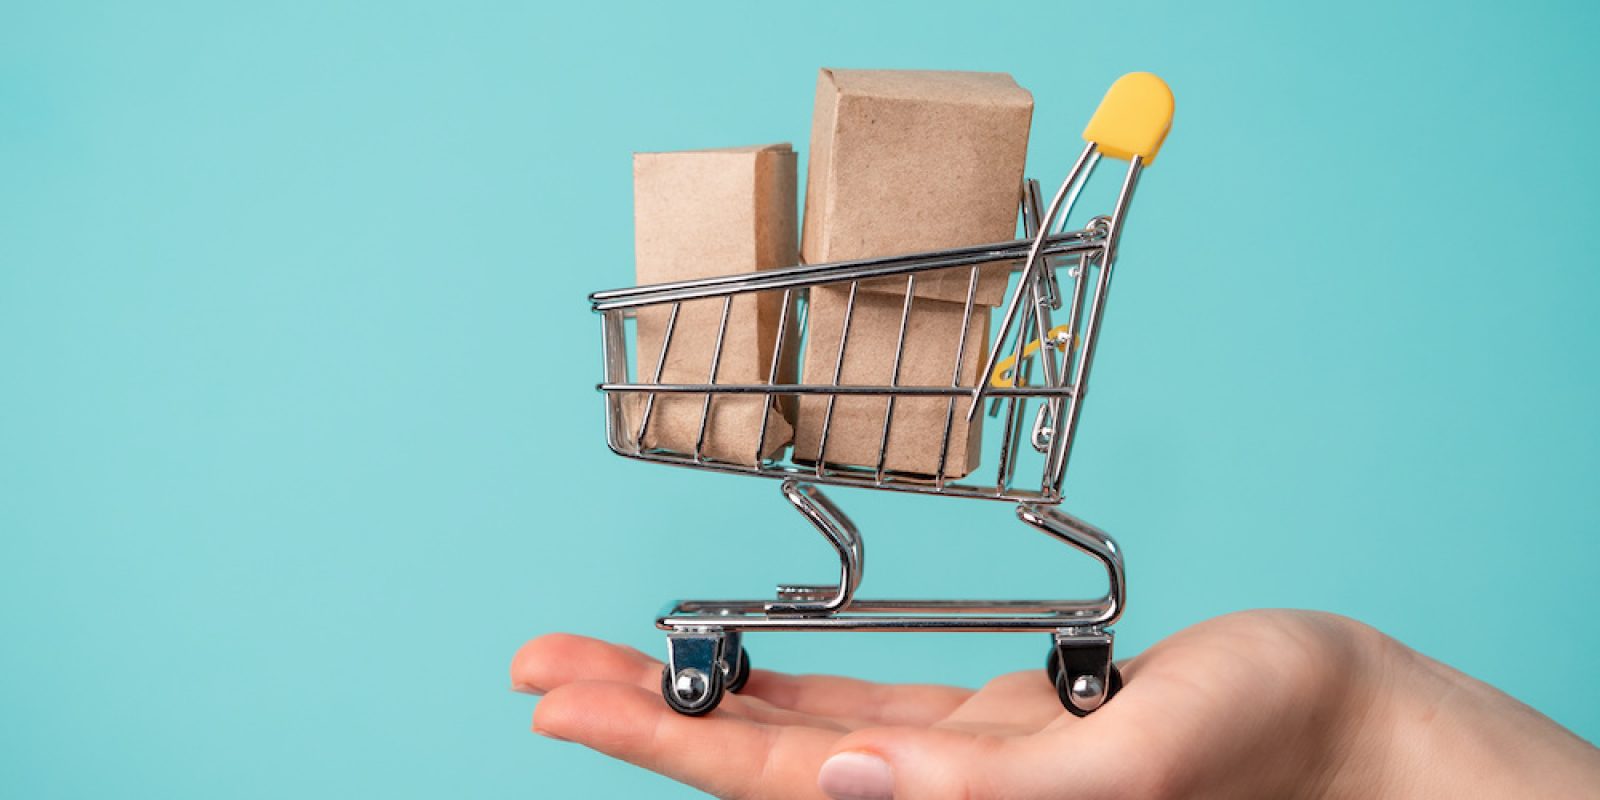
x,y
701,667
692,692
1083,674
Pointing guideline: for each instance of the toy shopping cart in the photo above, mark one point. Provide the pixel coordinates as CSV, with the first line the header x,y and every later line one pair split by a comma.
x,y
1035,378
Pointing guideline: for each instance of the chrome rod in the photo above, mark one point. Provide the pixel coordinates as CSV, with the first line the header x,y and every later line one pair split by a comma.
x,y
1072,197
1056,464
772,372
955,375
906,615
716,361
822,274
828,389
912,484
661,363
614,353
975,623
1031,216
880,606
894,374
838,368
846,540
1036,253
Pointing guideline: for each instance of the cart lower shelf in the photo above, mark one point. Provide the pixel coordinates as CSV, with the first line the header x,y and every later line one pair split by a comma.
x,y
705,638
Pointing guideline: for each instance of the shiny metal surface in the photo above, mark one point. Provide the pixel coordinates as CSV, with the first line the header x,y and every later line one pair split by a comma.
x,y
1088,692
830,390
1059,207
1081,664
955,376
835,607
691,684
841,533
1048,400
894,379
1056,466
661,363
1058,271
838,367
772,370
806,276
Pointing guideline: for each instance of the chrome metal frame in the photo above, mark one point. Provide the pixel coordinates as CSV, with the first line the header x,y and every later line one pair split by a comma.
x,y
833,607
705,635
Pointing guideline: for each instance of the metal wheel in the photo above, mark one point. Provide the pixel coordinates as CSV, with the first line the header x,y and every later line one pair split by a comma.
x,y
1065,684
741,671
694,692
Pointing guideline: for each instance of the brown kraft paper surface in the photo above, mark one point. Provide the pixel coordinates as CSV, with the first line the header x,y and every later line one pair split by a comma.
x,y
933,332
911,161
701,214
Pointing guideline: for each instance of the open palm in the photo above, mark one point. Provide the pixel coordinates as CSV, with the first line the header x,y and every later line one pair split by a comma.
x,y
1246,704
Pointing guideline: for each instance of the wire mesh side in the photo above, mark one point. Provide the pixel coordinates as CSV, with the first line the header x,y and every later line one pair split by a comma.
x,y
828,402
836,381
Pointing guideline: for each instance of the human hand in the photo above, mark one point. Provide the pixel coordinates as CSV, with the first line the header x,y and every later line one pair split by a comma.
x,y
1256,704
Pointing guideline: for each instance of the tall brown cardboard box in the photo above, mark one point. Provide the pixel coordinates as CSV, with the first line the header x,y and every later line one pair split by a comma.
x,y
917,427
700,214
905,161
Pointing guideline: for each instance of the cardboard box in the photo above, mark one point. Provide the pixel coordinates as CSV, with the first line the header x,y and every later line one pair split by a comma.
x,y
855,432
700,214
907,161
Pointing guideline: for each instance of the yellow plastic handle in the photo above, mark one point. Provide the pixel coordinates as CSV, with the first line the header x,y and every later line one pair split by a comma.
x,y
1001,378
1133,119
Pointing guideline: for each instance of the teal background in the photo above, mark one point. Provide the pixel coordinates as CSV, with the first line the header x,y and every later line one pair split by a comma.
x,y
298,439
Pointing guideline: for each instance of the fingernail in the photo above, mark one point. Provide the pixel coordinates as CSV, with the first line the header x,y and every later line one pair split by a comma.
x,y
856,776
525,688
548,735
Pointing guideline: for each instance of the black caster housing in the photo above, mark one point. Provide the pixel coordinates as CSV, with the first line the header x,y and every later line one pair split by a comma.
x,y
701,667
1081,669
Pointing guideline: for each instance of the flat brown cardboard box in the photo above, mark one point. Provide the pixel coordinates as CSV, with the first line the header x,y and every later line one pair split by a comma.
x,y
906,161
855,431
700,214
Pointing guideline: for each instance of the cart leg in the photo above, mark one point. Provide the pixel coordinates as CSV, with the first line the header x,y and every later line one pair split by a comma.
x,y
808,600
1080,664
1088,539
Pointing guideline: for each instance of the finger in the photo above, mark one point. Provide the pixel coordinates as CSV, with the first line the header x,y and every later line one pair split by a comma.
x,y
556,659
719,753
1021,702
936,764
861,702
915,762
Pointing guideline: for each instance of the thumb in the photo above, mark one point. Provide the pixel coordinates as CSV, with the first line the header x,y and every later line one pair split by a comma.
x,y
918,763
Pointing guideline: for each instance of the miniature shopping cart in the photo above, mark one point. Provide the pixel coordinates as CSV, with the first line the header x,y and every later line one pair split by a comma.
x,y
1035,377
